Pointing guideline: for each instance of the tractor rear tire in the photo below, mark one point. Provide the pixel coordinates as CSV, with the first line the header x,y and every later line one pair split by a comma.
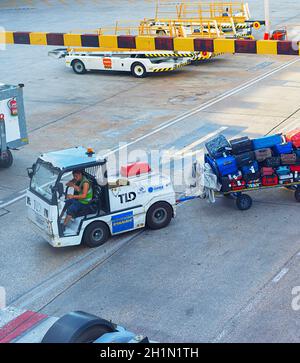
x,y
159,215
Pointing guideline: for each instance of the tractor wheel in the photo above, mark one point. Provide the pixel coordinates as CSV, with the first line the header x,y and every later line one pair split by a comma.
x,y
96,234
159,215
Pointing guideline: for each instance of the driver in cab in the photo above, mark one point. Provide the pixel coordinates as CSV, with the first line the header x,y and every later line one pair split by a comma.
x,y
83,194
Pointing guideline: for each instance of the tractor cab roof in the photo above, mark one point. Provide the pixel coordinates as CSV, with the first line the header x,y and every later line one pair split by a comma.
x,y
78,157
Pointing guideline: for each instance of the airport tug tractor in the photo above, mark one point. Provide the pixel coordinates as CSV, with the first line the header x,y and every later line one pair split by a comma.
x,y
136,198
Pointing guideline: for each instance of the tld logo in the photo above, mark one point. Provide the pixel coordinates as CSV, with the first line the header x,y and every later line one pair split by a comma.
x,y
127,197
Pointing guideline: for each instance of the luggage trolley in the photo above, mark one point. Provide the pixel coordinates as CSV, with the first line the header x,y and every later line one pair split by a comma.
x,y
243,165
244,201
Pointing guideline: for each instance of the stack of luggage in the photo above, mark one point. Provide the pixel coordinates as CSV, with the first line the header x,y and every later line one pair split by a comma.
x,y
244,164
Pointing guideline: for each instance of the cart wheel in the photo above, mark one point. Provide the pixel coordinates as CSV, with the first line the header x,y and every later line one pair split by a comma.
x,y
297,195
78,67
6,159
138,70
244,202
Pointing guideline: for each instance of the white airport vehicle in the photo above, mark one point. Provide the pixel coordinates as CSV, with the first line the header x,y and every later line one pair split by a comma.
x,y
13,133
139,64
136,198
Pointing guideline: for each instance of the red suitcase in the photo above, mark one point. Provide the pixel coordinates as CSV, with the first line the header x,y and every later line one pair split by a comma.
x,y
269,180
294,137
295,168
267,171
135,169
238,185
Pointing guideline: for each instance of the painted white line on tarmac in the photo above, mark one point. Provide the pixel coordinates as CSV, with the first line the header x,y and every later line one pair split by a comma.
x,y
6,204
200,141
190,113
280,275
206,105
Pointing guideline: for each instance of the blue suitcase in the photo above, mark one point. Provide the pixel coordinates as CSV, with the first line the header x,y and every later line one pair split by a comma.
x,y
283,170
212,163
250,169
266,142
227,165
285,148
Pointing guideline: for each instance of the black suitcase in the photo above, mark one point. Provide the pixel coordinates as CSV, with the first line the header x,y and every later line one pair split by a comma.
x,y
226,184
245,159
241,145
218,146
273,162
251,177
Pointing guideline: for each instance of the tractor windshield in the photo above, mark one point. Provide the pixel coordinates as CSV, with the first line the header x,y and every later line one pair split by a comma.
x,y
43,179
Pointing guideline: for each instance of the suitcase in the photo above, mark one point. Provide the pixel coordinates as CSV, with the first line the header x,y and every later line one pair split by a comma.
x,y
250,177
227,165
245,159
294,137
237,176
297,152
286,177
296,176
134,169
218,146
269,180
273,162
285,148
263,154
266,171
254,184
287,181
250,169
294,168
241,145
266,141
288,159
238,185
283,170
226,184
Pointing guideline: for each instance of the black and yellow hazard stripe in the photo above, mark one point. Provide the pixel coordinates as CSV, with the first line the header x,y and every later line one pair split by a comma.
x,y
153,44
171,54
170,68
